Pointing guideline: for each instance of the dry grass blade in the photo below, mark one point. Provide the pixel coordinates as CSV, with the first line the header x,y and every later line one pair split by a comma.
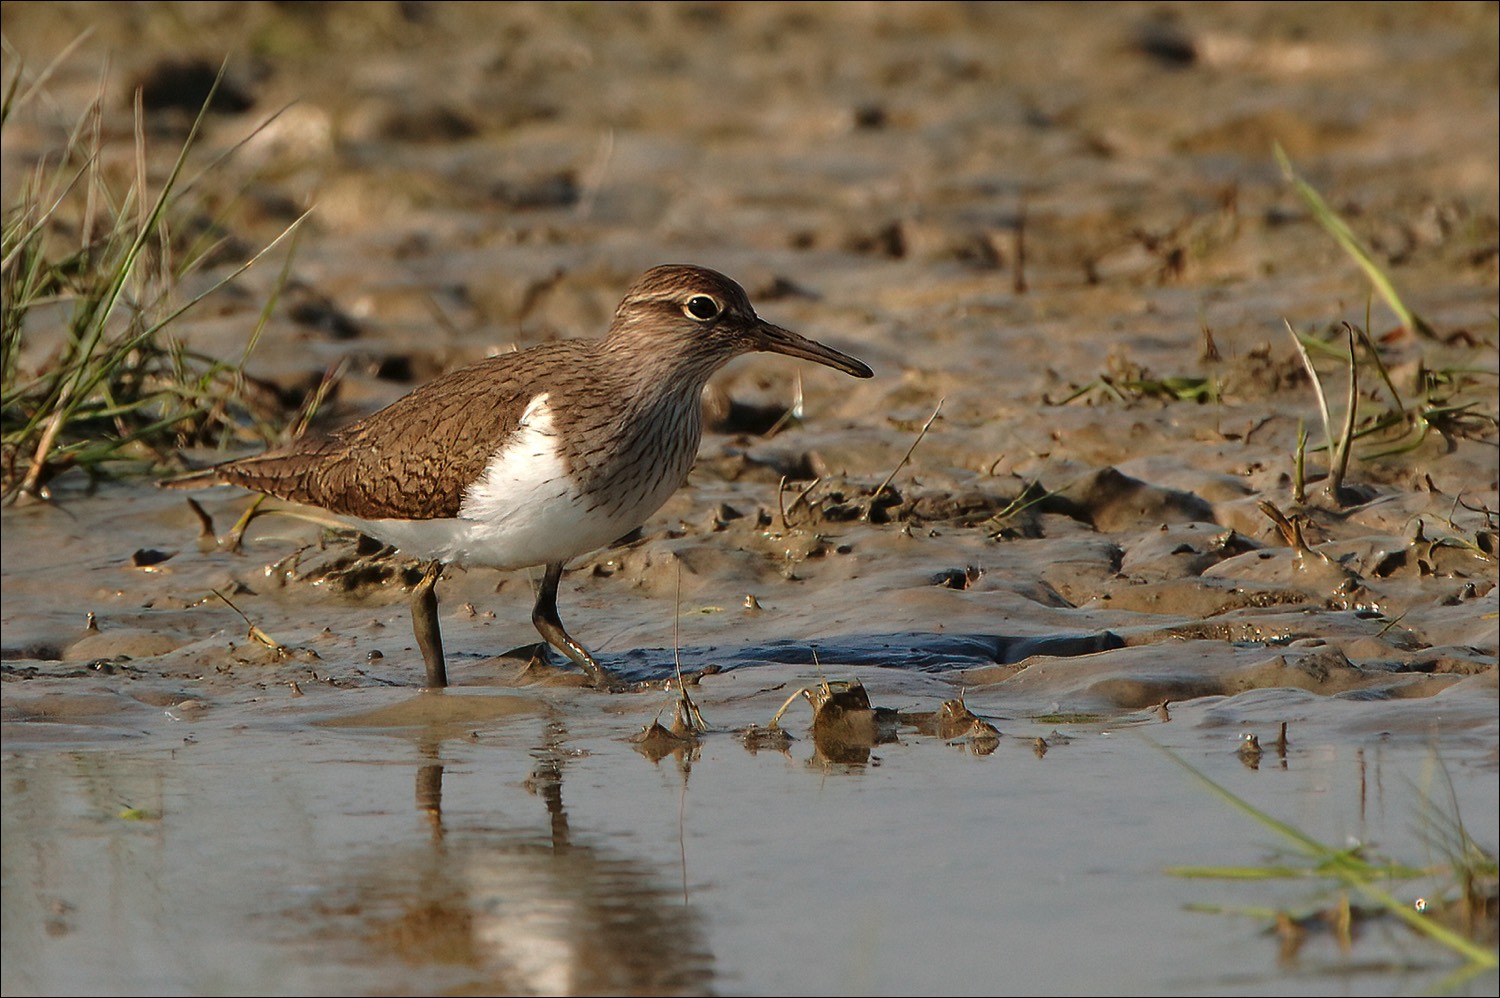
x,y
14,97
1299,464
1339,446
792,414
1317,384
1346,436
688,714
254,632
907,456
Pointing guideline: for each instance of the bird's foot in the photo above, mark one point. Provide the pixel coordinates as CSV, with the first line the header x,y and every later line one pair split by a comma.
x,y
605,681
424,622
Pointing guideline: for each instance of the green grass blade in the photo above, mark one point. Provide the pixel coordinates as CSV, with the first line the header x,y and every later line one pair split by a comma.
x,y
1343,866
1345,237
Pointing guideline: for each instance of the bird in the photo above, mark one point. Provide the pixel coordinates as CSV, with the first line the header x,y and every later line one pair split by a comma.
x,y
533,457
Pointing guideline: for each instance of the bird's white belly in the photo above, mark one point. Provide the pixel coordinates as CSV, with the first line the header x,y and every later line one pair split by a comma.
x,y
526,509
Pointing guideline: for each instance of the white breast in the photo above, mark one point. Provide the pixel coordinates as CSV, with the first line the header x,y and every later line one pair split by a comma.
x,y
525,509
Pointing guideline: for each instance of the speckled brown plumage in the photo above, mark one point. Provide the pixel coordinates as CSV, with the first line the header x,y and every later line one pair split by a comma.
x,y
632,393
414,459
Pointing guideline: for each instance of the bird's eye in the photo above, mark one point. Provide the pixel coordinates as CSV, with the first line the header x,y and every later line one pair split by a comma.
x,y
702,307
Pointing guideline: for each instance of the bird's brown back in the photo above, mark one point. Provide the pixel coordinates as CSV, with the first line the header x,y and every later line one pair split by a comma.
x,y
414,458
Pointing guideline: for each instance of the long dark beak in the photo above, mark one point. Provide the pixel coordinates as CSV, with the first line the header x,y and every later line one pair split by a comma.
x,y
774,339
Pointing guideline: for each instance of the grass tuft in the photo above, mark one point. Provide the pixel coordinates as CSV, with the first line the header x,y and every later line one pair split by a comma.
x,y
1470,869
91,376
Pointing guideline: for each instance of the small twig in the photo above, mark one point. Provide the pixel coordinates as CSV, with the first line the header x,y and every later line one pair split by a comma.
x,y
687,711
1340,446
255,632
793,412
1299,464
905,457
1024,500
1317,385
1346,439
800,500
776,718
802,692
1391,623
1289,532
331,377
44,445
268,308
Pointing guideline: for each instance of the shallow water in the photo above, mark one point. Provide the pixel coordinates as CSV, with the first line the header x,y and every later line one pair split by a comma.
x,y
188,809
527,848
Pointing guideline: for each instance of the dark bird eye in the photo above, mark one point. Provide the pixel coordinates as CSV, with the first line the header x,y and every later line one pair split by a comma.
x,y
702,307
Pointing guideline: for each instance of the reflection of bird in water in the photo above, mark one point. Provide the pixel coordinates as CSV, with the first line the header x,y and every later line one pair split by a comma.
x,y
516,910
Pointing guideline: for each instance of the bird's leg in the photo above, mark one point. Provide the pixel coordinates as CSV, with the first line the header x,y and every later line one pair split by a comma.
x,y
544,616
424,623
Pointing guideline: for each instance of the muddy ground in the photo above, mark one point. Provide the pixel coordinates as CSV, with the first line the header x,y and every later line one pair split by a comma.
x,y
1061,228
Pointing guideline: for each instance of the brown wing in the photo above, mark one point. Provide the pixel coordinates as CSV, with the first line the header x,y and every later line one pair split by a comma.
x,y
413,459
